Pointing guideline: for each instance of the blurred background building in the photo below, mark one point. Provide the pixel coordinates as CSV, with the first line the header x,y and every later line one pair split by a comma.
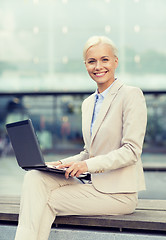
x,y
43,77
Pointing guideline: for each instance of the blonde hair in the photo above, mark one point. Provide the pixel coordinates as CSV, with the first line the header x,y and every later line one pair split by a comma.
x,y
97,40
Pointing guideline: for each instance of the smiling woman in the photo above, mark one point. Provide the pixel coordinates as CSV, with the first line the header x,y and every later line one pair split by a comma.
x,y
113,125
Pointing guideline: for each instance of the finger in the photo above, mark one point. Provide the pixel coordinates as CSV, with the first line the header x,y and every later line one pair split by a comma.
x,y
53,163
65,165
69,172
75,170
78,173
48,163
61,166
73,173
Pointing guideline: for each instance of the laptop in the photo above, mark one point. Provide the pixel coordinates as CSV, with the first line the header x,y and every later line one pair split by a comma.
x,y
27,149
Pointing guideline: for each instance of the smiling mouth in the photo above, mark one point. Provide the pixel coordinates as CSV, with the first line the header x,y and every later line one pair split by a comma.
x,y
101,74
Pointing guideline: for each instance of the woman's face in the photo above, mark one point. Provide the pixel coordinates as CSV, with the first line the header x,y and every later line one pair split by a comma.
x,y
101,64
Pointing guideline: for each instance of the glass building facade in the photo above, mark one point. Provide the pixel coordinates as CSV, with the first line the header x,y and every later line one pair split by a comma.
x,y
41,42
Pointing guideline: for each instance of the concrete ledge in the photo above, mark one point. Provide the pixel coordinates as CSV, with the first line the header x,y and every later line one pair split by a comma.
x,y
150,215
155,166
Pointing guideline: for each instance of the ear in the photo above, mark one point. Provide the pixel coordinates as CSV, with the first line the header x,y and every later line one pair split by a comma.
x,y
85,64
116,62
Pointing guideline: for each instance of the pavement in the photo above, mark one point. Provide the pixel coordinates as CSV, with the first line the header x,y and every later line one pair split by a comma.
x,y
11,175
8,232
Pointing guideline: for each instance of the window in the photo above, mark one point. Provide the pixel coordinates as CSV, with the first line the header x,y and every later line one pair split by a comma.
x,y
42,41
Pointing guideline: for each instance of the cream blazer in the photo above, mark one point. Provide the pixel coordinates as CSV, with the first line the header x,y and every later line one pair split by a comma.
x,y
113,152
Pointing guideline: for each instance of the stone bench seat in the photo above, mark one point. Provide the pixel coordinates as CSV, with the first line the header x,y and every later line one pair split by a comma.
x,y
149,215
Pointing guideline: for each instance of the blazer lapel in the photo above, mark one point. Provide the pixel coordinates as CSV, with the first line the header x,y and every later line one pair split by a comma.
x,y
104,108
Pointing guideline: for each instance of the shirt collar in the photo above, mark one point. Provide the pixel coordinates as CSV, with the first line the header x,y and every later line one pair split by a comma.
x,y
103,94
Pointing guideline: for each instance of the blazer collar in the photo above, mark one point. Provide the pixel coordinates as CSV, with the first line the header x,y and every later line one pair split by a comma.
x,y
104,109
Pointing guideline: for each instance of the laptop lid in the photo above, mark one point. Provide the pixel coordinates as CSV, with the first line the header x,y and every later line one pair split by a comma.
x,y
25,144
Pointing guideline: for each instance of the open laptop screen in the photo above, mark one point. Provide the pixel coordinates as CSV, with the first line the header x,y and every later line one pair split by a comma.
x,y
25,144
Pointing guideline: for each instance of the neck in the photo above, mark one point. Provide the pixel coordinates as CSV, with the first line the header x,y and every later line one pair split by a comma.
x,y
103,87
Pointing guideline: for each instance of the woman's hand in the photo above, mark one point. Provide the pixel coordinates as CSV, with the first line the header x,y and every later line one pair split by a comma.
x,y
74,169
54,163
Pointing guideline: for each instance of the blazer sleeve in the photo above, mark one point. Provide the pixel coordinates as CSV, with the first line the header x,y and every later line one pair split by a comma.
x,y
83,155
134,119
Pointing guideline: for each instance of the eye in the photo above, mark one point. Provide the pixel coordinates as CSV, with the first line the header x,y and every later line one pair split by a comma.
x,y
91,61
105,60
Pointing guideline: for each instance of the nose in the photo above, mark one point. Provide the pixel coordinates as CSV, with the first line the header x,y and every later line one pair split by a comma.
x,y
98,65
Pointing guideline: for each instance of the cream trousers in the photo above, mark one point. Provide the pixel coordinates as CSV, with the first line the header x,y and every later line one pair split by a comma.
x,y
47,195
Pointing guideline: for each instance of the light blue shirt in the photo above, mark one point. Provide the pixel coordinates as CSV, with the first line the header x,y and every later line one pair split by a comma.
x,y
99,98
